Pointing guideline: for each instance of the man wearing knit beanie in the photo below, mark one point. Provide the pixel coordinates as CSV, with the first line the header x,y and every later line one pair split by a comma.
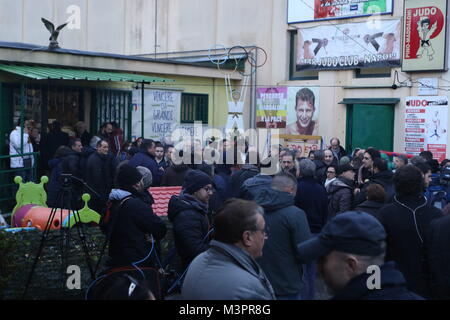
x,y
189,216
131,221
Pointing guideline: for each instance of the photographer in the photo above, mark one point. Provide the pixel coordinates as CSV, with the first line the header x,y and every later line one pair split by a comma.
x,y
132,221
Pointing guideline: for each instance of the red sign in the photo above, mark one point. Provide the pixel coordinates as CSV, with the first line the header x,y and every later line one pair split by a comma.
x,y
420,22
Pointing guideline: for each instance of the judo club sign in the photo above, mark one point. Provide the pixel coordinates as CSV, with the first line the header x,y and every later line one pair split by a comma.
x,y
425,35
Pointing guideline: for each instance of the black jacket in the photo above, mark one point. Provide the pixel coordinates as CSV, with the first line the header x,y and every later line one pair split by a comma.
x,y
174,175
99,175
190,226
239,177
384,179
404,244
341,153
135,221
439,257
320,174
72,164
392,283
340,196
312,198
371,207
287,227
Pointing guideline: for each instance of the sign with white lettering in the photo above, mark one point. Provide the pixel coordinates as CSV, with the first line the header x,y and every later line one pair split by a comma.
x,y
161,113
425,35
371,44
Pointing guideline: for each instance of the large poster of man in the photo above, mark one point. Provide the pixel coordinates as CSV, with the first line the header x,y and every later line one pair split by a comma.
x,y
303,111
425,35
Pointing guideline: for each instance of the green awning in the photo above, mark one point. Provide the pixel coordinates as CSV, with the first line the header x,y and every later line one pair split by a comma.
x,y
42,73
370,101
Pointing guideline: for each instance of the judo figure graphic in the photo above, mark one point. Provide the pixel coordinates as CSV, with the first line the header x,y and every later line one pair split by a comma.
x,y
437,126
425,33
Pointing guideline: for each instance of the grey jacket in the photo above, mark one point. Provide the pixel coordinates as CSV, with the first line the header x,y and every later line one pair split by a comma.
x,y
225,272
340,196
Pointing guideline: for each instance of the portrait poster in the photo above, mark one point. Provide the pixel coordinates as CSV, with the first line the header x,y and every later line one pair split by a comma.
x,y
271,107
425,33
426,124
369,44
303,111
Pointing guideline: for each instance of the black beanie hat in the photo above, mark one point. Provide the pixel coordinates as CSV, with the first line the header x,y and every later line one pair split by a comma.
x,y
195,180
128,176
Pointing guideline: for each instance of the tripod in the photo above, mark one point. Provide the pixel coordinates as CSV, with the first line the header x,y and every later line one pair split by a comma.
x,y
64,198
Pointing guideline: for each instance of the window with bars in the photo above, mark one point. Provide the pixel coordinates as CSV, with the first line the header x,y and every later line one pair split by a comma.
x,y
194,107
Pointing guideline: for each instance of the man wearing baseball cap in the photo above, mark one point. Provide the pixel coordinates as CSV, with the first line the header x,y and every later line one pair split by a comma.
x,y
350,254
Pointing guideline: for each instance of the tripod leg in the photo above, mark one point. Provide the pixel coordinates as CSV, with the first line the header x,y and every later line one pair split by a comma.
x,y
82,235
44,237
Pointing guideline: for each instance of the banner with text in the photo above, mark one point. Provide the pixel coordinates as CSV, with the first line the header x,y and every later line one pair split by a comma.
x,y
426,125
313,10
372,44
161,113
271,106
425,35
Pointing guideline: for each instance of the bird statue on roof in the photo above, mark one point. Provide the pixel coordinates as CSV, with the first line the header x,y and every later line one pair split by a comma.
x,y
53,33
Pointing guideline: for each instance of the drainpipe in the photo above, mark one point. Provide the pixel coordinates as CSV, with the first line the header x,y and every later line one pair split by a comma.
x,y
142,109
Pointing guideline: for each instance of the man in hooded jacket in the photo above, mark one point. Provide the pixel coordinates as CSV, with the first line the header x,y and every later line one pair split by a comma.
x,y
189,215
287,226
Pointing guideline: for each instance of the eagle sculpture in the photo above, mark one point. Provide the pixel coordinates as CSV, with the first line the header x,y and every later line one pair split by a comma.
x,y
53,33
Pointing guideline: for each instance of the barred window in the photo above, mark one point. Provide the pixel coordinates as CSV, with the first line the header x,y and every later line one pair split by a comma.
x,y
194,107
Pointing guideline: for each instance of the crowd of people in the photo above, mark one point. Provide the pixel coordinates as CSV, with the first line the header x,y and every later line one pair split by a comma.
x,y
244,234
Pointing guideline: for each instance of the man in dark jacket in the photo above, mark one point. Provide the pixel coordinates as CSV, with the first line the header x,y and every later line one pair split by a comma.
x,y
136,230
351,250
288,227
72,165
311,197
340,191
407,221
439,257
239,177
146,158
321,166
99,176
382,176
189,215
337,149
52,141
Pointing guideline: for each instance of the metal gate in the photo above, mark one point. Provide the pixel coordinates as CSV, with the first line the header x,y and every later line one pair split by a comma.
x,y
112,106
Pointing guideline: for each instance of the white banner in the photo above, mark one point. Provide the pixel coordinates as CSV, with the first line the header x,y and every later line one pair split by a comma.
x,y
161,114
426,125
374,44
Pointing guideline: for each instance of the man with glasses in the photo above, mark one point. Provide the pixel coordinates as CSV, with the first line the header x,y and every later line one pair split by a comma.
x,y
228,270
189,215
288,227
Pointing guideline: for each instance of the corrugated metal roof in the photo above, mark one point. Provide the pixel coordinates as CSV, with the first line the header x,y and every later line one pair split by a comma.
x,y
42,73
